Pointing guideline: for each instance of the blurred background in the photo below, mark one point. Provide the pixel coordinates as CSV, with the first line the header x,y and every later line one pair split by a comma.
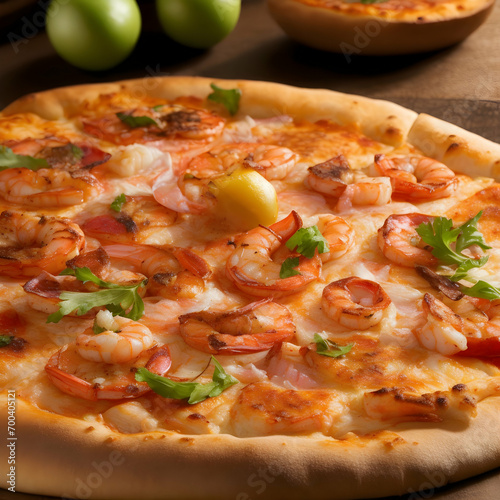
x,y
458,84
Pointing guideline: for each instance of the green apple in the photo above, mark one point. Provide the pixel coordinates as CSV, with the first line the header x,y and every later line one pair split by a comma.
x,y
198,23
93,34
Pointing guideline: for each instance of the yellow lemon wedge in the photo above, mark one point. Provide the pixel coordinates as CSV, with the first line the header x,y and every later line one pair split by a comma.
x,y
245,198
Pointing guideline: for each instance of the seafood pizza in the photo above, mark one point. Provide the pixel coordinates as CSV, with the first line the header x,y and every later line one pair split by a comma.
x,y
379,27
231,289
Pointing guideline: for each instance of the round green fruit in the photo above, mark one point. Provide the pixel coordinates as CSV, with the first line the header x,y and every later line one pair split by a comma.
x,y
198,23
93,34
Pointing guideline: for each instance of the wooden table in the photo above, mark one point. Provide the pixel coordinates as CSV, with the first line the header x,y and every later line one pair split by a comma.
x,y
459,84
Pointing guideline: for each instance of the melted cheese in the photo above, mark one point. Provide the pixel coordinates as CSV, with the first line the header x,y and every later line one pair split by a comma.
x,y
294,390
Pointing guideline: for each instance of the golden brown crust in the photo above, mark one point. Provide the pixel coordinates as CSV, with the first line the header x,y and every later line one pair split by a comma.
x,y
381,120
164,464
459,149
370,34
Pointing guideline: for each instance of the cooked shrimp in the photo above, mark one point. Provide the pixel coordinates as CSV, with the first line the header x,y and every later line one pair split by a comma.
x,y
141,220
133,159
416,177
396,404
330,177
400,242
35,243
272,162
47,187
173,128
251,266
444,330
253,328
180,192
123,340
76,376
335,178
374,191
355,303
176,274
473,332
338,233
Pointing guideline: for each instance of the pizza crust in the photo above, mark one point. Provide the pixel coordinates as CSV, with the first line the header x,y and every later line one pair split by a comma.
x,y
88,460
381,120
462,151
368,34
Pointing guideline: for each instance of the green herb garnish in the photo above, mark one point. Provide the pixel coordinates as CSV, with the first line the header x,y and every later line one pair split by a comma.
x,y
482,290
5,340
116,298
441,236
136,121
331,349
287,268
8,159
306,240
192,391
118,202
229,98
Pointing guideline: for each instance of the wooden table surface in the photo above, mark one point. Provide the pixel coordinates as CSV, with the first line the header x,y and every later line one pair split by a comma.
x,y
459,84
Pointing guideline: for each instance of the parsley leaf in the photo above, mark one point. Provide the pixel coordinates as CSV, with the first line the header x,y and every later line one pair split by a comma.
x,y
287,268
470,235
192,391
8,159
116,298
118,202
230,98
136,121
328,348
462,269
482,290
306,240
366,2
5,340
440,235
